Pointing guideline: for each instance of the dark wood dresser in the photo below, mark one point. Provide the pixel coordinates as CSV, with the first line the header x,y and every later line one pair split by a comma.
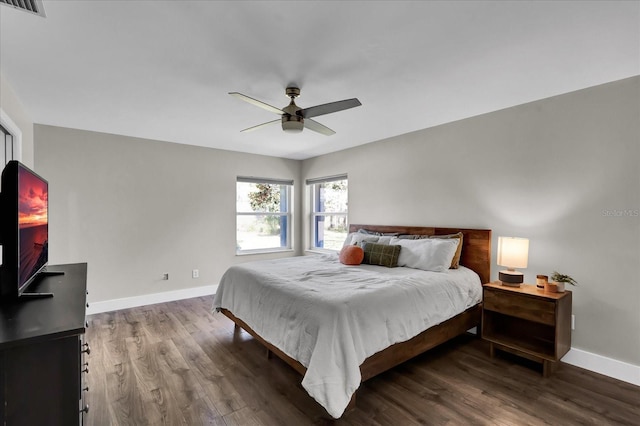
x,y
42,352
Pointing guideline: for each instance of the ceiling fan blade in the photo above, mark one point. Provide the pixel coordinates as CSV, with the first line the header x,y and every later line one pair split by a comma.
x,y
317,110
257,103
317,127
251,129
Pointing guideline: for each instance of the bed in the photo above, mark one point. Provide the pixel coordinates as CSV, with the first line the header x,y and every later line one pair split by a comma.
x,y
340,325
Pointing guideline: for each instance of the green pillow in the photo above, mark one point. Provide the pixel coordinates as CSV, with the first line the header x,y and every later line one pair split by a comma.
x,y
381,254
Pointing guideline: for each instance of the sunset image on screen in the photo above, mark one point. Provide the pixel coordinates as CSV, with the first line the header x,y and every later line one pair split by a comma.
x,y
33,197
33,194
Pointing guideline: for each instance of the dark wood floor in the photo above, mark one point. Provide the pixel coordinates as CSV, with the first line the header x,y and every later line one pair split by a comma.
x,y
176,363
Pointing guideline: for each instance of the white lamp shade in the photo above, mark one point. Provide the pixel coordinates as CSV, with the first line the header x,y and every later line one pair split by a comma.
x,y
513,252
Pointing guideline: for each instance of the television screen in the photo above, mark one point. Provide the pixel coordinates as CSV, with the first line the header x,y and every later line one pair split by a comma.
x,y
24,229
33,226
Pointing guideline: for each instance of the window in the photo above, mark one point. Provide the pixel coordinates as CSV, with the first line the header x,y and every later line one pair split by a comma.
x,y
11,138
10,145
328,212
263,215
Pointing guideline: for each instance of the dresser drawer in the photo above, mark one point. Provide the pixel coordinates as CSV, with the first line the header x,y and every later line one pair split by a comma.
x,y
517,305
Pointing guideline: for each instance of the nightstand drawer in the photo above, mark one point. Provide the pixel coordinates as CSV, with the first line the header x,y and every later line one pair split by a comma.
x,y
529,308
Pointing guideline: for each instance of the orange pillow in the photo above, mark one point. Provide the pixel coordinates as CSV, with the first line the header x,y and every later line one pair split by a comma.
x,y
351,255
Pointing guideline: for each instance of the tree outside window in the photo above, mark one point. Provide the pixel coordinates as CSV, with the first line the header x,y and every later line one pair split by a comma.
x,y
263,215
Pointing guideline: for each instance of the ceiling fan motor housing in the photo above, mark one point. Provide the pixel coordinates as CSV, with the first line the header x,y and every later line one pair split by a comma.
x,y
292,92
292,122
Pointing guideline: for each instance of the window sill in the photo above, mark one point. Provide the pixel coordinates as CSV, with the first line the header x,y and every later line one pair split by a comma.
x,y
263,251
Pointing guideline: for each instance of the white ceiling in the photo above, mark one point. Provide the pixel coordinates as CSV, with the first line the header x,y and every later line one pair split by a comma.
x,y
162,69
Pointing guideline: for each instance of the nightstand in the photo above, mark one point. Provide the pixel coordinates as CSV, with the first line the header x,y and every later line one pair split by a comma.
x,y
527,322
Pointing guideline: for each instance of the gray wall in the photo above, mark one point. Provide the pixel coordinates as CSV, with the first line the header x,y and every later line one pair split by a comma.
x,y
553,171
11,105
135,209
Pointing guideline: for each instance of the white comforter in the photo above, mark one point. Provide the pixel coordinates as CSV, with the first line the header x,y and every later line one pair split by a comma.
x,y
331,317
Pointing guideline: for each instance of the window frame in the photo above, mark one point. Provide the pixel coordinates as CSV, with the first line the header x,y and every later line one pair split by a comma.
x,y
15,137
312,185
288,185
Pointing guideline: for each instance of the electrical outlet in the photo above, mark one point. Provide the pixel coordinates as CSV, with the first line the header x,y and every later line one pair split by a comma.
x,y
195,274
165,276
573,322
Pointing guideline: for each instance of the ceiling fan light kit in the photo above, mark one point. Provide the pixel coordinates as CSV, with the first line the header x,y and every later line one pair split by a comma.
x,y
292,123
295,119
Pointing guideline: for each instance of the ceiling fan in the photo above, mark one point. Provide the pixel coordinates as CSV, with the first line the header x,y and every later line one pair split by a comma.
x,y
294,118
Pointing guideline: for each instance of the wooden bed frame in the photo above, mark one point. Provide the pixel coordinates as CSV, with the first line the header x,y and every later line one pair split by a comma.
x,y
476,255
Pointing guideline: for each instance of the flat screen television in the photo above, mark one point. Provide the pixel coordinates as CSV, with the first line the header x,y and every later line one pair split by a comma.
x,y
24,228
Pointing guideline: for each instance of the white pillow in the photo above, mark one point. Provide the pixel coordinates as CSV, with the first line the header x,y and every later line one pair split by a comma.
x,y
429,254
358,239
384,239
347,241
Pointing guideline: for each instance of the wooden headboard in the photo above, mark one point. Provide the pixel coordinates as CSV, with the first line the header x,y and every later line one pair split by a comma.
x,y
476,243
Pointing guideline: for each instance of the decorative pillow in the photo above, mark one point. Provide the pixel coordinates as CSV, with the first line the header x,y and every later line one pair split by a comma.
x,y
379,234
366,231
360,239
428,254
455,262
351,255
412,237
381,254
370,236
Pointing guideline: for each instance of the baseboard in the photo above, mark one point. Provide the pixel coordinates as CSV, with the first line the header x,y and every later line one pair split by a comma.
x,y
150,299
601,364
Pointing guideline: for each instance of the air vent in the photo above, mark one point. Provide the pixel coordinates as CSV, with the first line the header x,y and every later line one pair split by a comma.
x,y
31,6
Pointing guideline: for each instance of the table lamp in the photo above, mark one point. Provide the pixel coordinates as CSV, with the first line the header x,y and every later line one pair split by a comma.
x,y
513,253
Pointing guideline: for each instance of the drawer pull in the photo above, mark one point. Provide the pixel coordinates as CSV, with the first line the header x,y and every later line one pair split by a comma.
x,y
86,368
85,409
86,389
86,350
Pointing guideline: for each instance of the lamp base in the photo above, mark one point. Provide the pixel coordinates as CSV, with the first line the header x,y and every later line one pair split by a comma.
x,y
511,278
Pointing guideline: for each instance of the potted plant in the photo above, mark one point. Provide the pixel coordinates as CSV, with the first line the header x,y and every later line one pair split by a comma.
x,y
560,280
